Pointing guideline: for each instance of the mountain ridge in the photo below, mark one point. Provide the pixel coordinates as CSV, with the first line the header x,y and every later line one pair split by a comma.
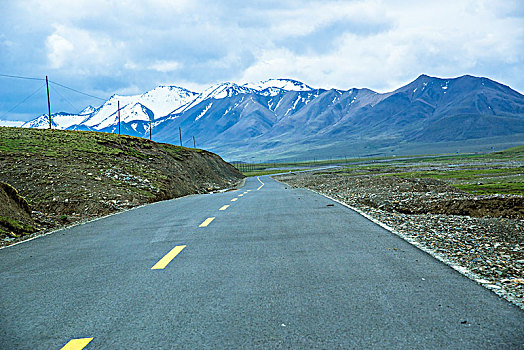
x,y
275,118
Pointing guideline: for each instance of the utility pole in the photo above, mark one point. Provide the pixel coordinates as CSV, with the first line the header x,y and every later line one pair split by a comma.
x,y
48,101
150,130
180,132
118,117
194,142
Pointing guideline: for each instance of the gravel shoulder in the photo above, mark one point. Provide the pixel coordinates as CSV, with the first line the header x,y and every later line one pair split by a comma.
x,y
483,235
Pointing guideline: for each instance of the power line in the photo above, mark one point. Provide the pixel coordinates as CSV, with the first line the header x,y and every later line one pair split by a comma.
x,y
71,104
20,77
80,92
27,98
54,82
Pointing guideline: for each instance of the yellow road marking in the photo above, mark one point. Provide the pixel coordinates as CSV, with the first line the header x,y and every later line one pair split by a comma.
x,y
240,195
77,344
162,263
261,183
248,191
206,222
234,199
224,207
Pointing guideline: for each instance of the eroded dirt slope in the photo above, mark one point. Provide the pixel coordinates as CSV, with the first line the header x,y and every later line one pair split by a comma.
x,y
67,176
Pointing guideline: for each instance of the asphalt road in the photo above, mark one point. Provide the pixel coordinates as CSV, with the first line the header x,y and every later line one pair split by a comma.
x,y
278,268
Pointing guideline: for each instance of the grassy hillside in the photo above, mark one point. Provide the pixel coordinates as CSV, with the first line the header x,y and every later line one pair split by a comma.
x,y
66,176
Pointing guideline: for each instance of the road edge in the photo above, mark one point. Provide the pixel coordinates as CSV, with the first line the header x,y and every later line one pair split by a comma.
x,y
240,184
460,269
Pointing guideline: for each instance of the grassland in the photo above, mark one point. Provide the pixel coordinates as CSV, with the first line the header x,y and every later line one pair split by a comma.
x,y
492,173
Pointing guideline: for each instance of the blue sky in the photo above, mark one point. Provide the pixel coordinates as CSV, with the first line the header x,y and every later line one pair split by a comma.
x,y
129,47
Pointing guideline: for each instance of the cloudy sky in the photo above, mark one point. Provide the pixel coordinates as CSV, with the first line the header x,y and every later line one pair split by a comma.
x,y
130,46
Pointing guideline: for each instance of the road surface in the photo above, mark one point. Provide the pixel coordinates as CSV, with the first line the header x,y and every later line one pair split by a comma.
x,y
265,266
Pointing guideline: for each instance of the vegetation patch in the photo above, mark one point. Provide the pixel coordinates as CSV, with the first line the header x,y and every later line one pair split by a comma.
x,y
267,172
516,188
15,226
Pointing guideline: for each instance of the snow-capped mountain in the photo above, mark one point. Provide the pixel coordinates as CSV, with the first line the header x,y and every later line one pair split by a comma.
x,y
11,123
153,104
156,104
58,121
279,84
280,118
88,110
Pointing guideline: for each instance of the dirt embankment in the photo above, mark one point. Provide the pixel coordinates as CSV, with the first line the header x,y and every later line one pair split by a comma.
x,y
15,214
67,176
426,195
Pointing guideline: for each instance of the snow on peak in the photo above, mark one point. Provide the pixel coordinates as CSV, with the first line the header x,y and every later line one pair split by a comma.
x,y
40,122
283,84
161,101
15,123
88,110
58,121
216,92
164,99
129,113
224,90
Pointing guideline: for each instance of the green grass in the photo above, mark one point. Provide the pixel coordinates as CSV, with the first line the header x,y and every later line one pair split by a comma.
x,y
480,174
267,172
493,188
467,174
15,226
514,153
386,162
55,143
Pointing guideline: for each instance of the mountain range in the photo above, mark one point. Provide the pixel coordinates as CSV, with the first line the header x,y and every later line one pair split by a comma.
x,y
281,119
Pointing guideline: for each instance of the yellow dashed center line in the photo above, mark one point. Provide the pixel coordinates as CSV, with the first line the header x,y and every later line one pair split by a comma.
x,y
261,183
206,222
224,207
234,199
162,263
240,195
77,344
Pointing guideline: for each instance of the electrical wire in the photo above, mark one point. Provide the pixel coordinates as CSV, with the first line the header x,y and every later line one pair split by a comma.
x,y
27,98
80,92
71,104
20,77
54,82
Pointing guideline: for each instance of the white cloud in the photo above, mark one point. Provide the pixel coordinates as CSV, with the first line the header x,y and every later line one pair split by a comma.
x,y
165,66
372,43
444,38
79,51
59,50
134,45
